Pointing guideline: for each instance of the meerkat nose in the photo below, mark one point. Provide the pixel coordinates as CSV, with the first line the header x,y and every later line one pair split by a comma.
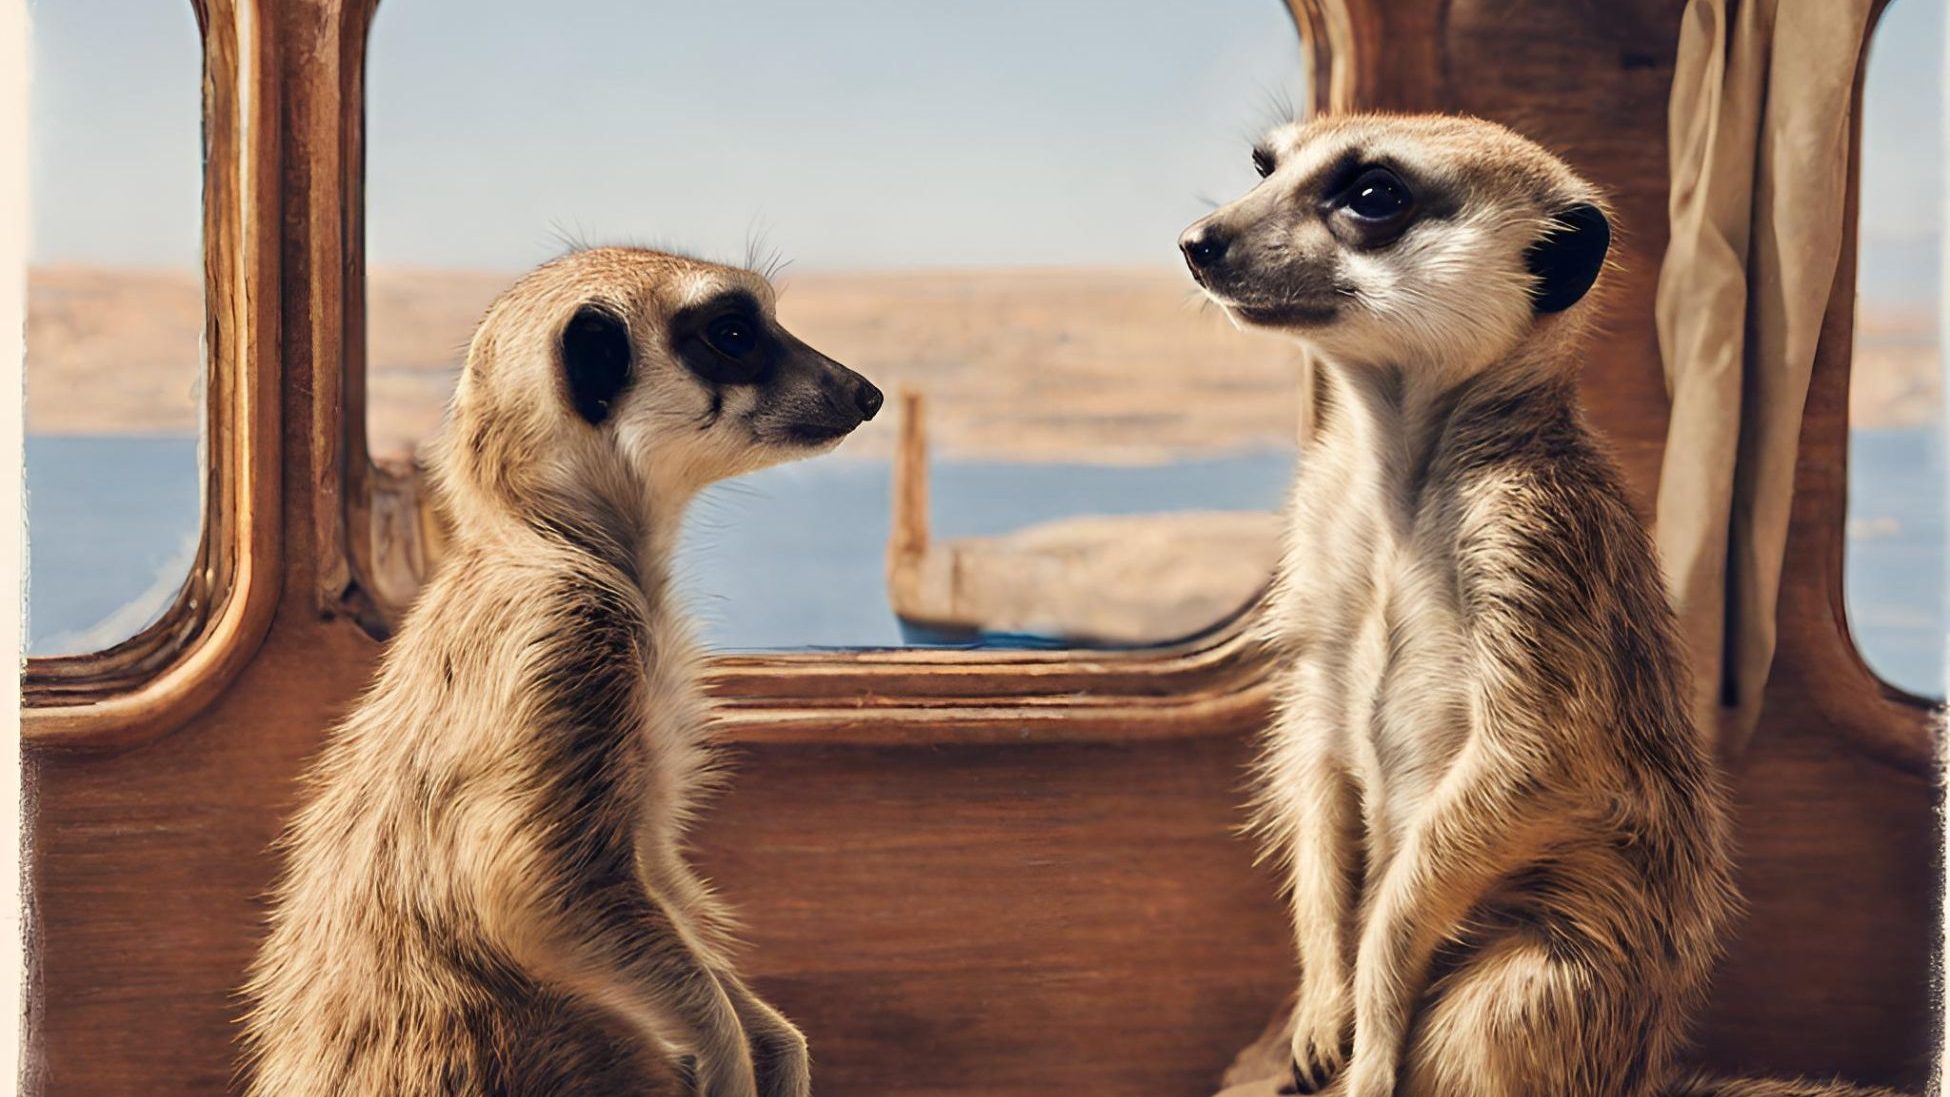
x,y
868,399
1203,246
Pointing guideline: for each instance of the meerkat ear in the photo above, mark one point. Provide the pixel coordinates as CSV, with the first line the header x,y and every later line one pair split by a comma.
x,y
1567,260
596,358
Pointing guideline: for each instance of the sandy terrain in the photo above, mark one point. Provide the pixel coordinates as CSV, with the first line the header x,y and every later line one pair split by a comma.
x,y
1034,365
1110,365
1897,377
113,351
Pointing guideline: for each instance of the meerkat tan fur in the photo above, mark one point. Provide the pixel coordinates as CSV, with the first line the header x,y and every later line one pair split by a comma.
x,y
1507,845
485,891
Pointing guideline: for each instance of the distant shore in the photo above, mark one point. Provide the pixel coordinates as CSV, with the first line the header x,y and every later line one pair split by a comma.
x,y
1109,365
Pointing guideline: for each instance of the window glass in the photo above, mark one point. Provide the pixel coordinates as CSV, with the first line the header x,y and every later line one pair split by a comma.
x,y
978,202
1895,559
963,192
114,318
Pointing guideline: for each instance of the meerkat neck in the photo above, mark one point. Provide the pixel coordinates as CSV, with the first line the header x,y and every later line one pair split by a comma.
x,y
628,538
1400,422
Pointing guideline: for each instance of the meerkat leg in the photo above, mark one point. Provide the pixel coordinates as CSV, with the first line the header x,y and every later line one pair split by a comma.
x,y
1470,836
1324,855
778,1049
1555,1010
553,1046
1524,1016
1546,995
630,954
1554,999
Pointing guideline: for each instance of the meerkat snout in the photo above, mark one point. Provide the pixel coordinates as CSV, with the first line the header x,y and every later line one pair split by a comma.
x,y
1442,241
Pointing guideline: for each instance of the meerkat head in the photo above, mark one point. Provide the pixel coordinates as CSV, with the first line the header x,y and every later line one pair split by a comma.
x,y
1432,242
634,377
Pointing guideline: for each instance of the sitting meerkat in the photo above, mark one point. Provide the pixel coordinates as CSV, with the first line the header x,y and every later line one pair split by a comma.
x,y
1507,844
486,890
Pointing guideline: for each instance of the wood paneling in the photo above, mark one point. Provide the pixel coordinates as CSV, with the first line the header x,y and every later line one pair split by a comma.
x,y
1016,919
988,893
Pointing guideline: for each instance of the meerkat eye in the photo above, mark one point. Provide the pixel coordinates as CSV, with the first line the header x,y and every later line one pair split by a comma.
x,y
733,336
1262,162
724,342
1378,195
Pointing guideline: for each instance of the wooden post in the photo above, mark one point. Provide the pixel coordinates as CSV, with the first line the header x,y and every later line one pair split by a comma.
x,y
907,537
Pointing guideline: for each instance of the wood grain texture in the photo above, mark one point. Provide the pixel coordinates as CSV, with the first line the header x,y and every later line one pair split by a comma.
x,y
954,883
1003,919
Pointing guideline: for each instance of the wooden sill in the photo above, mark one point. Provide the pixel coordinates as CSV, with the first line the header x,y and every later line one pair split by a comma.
x,y
1212,683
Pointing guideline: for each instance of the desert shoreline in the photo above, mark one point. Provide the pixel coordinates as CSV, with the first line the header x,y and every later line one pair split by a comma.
x,y
1041,364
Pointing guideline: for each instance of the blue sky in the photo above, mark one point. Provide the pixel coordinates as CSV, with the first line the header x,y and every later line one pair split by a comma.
x,y
853,133
849,134
1902,156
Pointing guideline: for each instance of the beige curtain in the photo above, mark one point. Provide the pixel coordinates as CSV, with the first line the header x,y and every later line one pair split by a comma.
x,y
1759,132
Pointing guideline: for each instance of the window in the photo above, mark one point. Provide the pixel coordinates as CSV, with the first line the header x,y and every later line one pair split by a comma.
x,y
115,319
1896,531
981,205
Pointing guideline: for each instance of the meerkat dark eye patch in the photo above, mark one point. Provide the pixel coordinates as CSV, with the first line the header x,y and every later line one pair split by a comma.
x,y
725,341
1263,162
1567,260
596,361
1372,207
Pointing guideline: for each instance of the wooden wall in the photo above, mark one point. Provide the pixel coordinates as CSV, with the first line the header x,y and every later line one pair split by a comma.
x,y
956,913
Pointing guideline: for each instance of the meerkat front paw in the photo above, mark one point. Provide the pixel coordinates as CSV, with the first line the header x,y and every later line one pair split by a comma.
x,y
783,1064
726,1076
1323,1032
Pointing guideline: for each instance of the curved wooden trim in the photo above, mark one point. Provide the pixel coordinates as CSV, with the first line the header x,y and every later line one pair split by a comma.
x,y
150,684
1340,55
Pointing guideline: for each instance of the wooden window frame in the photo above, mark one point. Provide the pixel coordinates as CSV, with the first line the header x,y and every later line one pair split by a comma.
x,y
157,679
284,259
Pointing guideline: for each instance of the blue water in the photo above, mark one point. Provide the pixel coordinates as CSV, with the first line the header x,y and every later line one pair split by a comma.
x,y
791,557
112,524
795,556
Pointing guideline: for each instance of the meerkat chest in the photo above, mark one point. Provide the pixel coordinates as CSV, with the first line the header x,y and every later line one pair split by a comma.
x,y
1383,664
1405,711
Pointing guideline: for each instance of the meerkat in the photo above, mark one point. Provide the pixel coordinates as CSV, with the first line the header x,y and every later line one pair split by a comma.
x,y
486,890
1506,844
